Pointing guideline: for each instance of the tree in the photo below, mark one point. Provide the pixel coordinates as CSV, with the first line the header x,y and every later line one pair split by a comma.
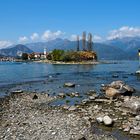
x,y
89,42
78,48
57,55
24,56
84,41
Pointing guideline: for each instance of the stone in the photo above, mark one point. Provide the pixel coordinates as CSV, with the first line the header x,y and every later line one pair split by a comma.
x,y
99,119
115,76
112,92
134,132
85,101
107,121
74,94
72,108
69,85
66,107
137,118
62,95
17,91
133,105
82,138
117,88
127,129
96,107
91,97
35,97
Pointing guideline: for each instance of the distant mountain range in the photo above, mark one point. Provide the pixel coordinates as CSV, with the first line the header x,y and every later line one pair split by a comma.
x,y
117,49
15,50
130,45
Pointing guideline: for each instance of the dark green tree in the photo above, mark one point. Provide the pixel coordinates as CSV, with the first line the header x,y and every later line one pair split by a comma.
x,y
89,42
78,48
24,56
84,41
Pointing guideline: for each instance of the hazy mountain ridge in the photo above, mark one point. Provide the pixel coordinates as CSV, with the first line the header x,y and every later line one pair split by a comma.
x,y
117,49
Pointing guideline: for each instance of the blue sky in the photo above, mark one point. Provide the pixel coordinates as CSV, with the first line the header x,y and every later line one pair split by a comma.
x,y
22,19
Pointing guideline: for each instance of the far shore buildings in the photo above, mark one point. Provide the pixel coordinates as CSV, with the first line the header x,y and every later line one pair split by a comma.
x,y
37,55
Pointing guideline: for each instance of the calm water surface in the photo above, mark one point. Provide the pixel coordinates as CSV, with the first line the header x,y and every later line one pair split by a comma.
x,y
41,77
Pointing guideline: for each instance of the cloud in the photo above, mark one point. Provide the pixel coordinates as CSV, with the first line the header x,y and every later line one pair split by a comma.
x,y
97,38
23,39
5,43
73,37
124,31
49,35
34,37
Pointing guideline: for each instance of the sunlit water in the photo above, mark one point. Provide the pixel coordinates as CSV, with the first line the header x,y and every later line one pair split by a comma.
x,y
41,77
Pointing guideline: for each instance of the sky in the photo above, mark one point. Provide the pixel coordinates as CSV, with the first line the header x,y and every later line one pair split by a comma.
x,y
23,21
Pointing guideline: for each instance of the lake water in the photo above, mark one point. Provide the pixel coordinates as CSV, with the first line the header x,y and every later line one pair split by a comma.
x,y
41,77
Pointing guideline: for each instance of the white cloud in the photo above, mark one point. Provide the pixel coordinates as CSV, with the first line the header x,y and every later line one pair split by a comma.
x,y
49,35
97,38
73,37
5,43
34,37
124,31
23,39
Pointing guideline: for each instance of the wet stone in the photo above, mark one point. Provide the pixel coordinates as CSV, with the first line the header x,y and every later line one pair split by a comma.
x,y
35,97
69,85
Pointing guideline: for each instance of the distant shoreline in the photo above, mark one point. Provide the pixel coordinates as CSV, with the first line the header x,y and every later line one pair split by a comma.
x,y
71,62
68,63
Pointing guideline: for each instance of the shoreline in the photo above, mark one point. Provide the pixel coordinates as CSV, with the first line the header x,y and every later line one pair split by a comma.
x,y
29,115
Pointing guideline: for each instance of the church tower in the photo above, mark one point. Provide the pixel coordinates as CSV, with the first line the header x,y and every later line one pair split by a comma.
x,y
45,53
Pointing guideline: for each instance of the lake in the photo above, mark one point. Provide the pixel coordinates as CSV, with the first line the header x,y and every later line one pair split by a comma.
x,y
48,78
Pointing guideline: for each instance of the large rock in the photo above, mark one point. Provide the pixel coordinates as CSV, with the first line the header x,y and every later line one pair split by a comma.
x,y
117,88
107,121
112,92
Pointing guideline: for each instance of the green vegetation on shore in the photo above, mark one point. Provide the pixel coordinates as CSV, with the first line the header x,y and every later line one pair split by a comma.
x,y
67,56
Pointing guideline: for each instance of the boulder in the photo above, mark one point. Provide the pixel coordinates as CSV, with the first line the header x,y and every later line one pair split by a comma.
x,y
112,92
117,88
107,121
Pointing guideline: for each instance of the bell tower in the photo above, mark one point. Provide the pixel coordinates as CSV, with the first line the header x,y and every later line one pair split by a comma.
x,y
45,53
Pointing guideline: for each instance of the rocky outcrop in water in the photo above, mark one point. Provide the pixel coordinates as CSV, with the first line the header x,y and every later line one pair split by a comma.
x,y
117,88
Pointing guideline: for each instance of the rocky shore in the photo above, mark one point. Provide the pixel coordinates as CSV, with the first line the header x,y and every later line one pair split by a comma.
x,y
29,116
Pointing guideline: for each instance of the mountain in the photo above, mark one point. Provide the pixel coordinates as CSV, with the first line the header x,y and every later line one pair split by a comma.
x,y
15,50
103,51
130,45
117,49
108,52
50,45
